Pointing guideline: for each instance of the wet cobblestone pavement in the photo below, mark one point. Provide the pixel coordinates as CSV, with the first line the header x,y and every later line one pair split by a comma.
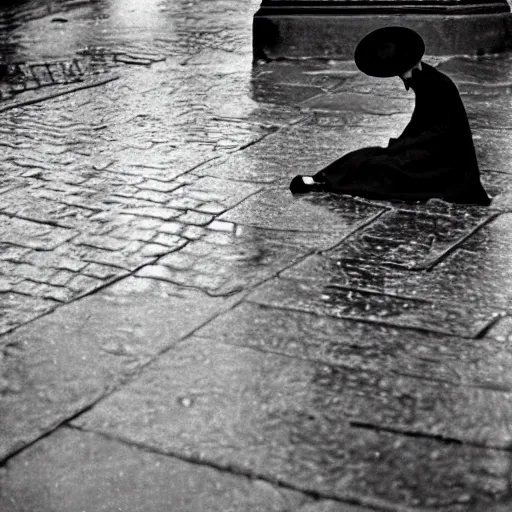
x,y
179,332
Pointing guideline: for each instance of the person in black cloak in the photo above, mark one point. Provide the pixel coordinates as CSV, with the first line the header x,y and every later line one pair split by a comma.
x,y
434,157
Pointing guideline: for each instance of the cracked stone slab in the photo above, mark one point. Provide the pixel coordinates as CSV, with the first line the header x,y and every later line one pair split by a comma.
x,y
174,163
29,205
373,86
211,190
491,71
316,144
220,61
365,347
242,167
276,208
324,75
132,256
240,98
469,89
493,150
299,142
484,111
412,240
266,115
73,471
380,126
419,405
280,417
326,297
62,363
255,166
360,103
229,258
476,276
479,272
33,235
17,309
29,76
465,213
37,92
283,94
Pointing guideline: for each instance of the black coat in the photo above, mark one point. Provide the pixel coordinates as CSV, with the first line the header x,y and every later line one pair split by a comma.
x,y
433,157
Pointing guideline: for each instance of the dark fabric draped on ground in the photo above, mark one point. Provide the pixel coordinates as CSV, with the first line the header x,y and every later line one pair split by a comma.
x,y
434,157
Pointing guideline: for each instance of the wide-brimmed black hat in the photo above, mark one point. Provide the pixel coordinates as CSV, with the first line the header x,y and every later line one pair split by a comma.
x,y
389,51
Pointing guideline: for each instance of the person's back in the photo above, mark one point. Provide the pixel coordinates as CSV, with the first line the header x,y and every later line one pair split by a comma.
x,y
439,127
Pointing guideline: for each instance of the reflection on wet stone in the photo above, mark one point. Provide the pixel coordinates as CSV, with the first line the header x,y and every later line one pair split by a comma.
x,y
486,112
493,72
409,240
462,294
324,298
285,418
277,209
23,76
324,75
240,167
366,347
95,344
354,351
92,168
99,471
317,145
229,259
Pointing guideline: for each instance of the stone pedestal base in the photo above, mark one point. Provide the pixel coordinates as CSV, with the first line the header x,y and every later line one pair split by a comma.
x,y
283,34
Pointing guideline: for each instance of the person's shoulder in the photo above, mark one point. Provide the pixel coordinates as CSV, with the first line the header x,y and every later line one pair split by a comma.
x,y
437,78
433,73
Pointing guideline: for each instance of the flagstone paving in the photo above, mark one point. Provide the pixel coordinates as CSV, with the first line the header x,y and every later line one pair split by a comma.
x,y
178,332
